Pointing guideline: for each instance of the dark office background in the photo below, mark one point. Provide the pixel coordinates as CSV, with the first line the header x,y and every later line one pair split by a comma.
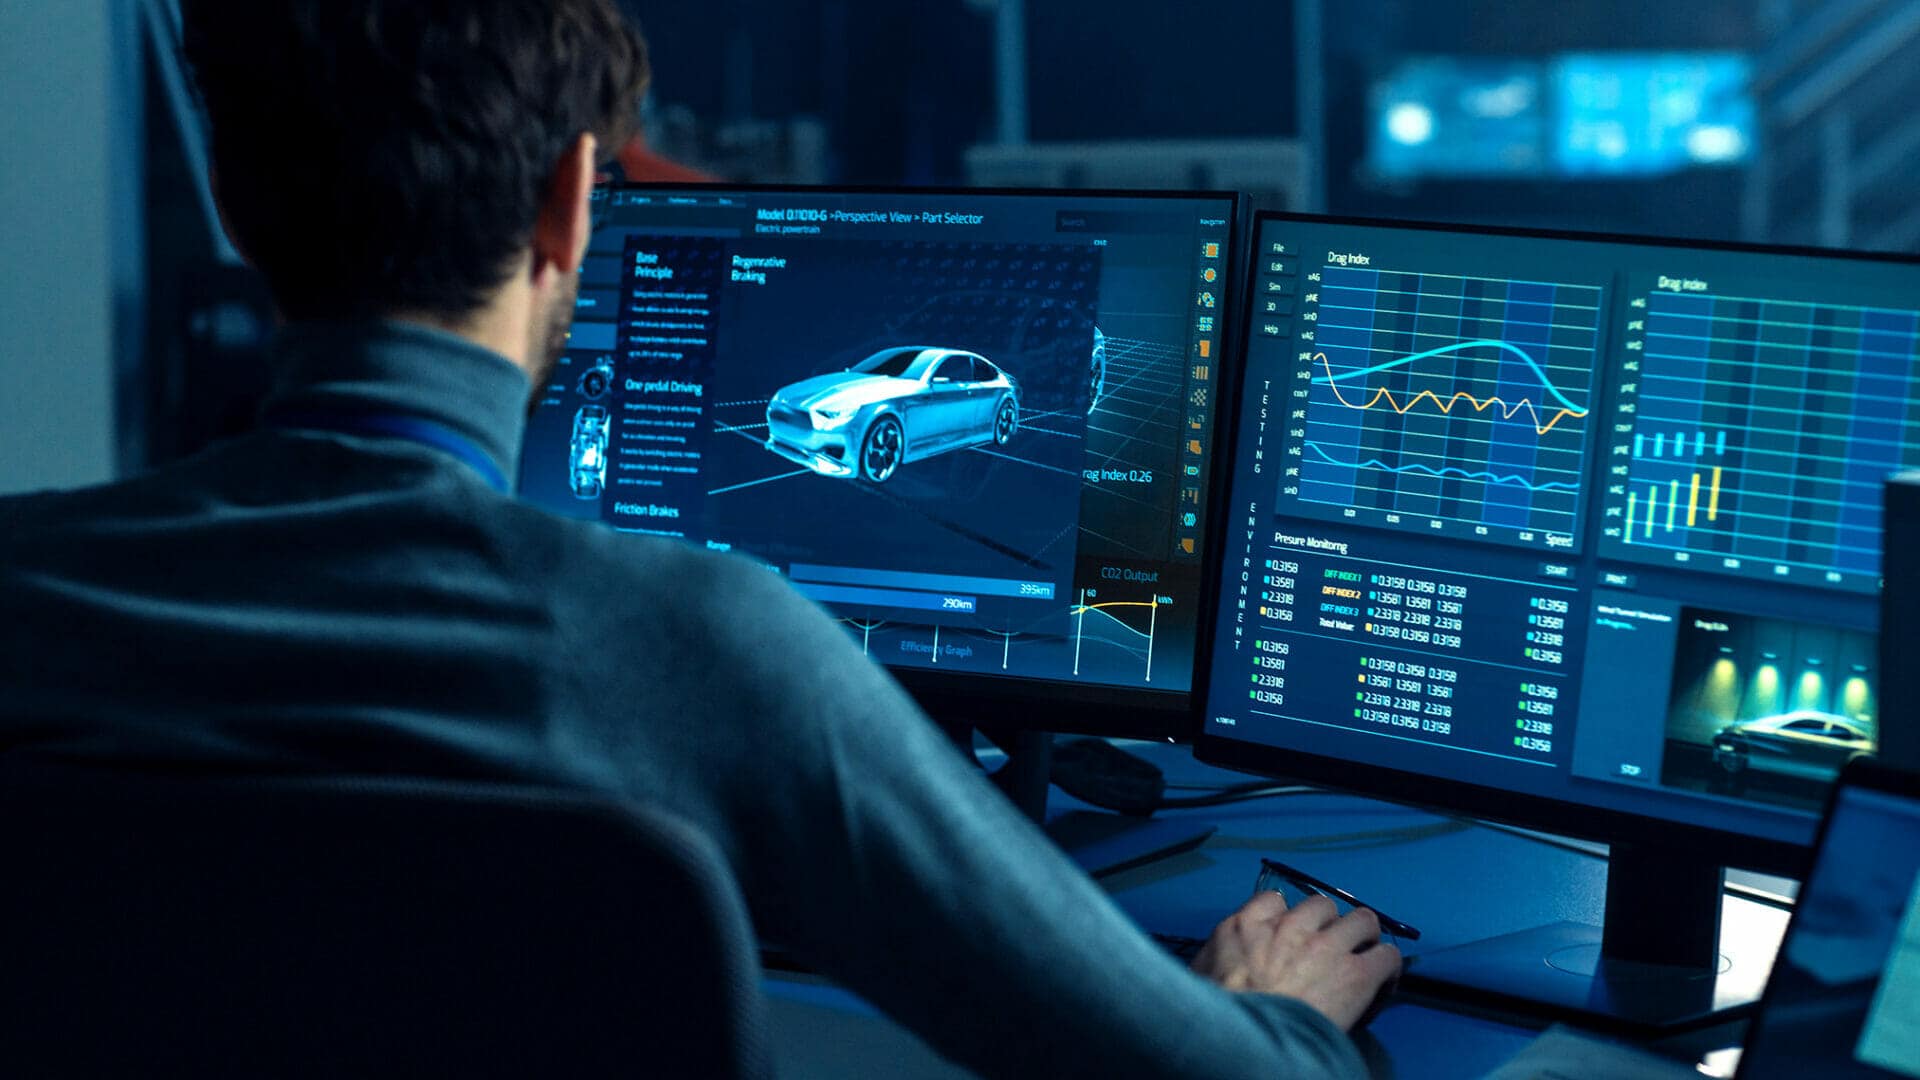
x,y
1769,120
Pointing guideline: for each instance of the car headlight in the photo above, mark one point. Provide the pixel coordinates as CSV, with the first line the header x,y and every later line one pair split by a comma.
x,y
832,416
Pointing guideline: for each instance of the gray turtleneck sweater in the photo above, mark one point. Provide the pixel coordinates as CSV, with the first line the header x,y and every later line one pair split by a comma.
x,y
307,599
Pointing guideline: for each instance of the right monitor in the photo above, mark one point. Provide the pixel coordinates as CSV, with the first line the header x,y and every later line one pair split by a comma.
x,y
1581,532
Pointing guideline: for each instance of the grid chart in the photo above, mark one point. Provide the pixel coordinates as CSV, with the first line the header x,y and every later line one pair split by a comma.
x,y
1763,431
1461,401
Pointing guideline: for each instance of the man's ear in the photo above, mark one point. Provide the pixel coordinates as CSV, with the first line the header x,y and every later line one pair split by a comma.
x,y
565,224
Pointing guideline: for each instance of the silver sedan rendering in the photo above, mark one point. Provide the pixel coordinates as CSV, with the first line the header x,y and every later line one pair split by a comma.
x,y
1807,744
898,405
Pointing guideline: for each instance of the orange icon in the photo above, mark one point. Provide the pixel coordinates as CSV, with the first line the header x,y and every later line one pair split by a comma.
x,y
1206,349
1211,251
1210,275
1187,545
1193,447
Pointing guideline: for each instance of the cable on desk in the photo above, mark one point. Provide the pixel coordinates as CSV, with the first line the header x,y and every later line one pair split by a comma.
x,y
1578,847
1243,794
1248,786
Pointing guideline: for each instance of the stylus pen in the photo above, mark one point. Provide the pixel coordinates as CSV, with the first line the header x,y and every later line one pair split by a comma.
x,y
1270,869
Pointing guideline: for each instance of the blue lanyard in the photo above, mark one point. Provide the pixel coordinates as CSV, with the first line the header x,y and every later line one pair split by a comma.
x,y
413,429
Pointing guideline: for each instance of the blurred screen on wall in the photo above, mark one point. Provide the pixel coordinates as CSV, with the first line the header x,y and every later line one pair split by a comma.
x,y
1592,115
1446,116
1640,114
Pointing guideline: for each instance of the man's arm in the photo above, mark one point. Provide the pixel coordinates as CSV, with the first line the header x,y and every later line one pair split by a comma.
x,y
896,868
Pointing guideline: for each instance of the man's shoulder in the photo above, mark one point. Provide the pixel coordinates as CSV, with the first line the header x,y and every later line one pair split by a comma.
x,y
666,601
666,575
42,516
21,508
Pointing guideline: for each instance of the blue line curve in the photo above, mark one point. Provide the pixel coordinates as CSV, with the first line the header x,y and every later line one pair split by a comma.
x,y
1462,346
1557,485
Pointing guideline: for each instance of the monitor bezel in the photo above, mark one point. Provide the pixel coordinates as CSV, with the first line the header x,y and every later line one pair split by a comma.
x,y
1024,703
1568,818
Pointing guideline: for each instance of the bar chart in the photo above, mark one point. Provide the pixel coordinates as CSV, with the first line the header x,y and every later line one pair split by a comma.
x,y
1762,430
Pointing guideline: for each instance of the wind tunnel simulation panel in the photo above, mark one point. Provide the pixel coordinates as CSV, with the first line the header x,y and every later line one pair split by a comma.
x,y
975,427
1584,520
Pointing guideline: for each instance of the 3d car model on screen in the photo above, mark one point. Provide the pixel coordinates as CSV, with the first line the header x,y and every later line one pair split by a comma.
x,y
1807,744
588,469
896,406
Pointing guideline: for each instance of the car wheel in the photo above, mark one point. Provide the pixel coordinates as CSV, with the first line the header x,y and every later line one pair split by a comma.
x,y
881,450
1006,420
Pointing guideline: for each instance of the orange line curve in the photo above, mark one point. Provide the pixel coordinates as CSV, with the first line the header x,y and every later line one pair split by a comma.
x,y
1508,411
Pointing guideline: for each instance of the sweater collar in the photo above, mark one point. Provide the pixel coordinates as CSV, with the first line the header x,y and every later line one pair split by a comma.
x,y
403,369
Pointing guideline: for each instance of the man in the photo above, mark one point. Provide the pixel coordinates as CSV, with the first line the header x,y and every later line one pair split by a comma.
x,y
352,588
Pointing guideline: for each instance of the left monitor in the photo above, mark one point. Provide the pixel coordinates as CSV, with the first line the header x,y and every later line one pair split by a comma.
x,y
976,427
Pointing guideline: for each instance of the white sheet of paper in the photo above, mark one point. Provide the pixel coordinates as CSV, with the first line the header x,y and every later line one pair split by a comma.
x,y
1564,1054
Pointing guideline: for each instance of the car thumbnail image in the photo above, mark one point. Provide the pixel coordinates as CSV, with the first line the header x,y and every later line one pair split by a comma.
x,y
1805,743
1767,709
897,406
588,461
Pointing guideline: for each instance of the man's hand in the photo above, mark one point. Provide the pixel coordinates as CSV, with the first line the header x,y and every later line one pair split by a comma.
x,y
1307,953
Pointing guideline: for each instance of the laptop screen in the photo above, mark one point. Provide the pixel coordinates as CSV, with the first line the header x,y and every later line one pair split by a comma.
x,y
1844,1000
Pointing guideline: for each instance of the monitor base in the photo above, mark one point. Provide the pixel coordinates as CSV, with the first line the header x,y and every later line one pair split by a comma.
x,y
1102,843
1559,970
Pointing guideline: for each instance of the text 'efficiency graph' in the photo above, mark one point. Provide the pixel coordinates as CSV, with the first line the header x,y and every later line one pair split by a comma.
x,y
1762,432
1444,404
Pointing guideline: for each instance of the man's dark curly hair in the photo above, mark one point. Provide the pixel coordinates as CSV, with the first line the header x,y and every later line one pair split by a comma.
x,y
377,157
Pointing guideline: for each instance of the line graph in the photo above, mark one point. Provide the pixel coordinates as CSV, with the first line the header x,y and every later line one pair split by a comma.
x,y
1507,411
1761,432
1086,606
1112,641
1444,403
1489,477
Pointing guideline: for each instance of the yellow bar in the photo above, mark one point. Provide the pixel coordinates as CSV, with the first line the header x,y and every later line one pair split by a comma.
x,y
1633,501
1713,502
1653,506
1673,500
1693,502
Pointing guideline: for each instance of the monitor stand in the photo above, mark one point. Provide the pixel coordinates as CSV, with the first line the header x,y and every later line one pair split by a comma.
x,y
1102,843
1656,966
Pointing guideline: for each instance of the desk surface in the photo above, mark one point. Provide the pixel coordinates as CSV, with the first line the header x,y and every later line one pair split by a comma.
x,y
1456,881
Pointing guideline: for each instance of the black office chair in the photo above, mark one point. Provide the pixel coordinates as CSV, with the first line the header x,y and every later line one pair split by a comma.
x,y
348,928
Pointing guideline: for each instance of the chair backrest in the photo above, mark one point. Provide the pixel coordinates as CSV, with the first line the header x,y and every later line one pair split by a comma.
x,y
211,926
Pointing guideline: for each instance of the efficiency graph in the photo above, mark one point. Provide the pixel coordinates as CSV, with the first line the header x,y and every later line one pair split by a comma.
x,y
1762,432
1438,401
1095,637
